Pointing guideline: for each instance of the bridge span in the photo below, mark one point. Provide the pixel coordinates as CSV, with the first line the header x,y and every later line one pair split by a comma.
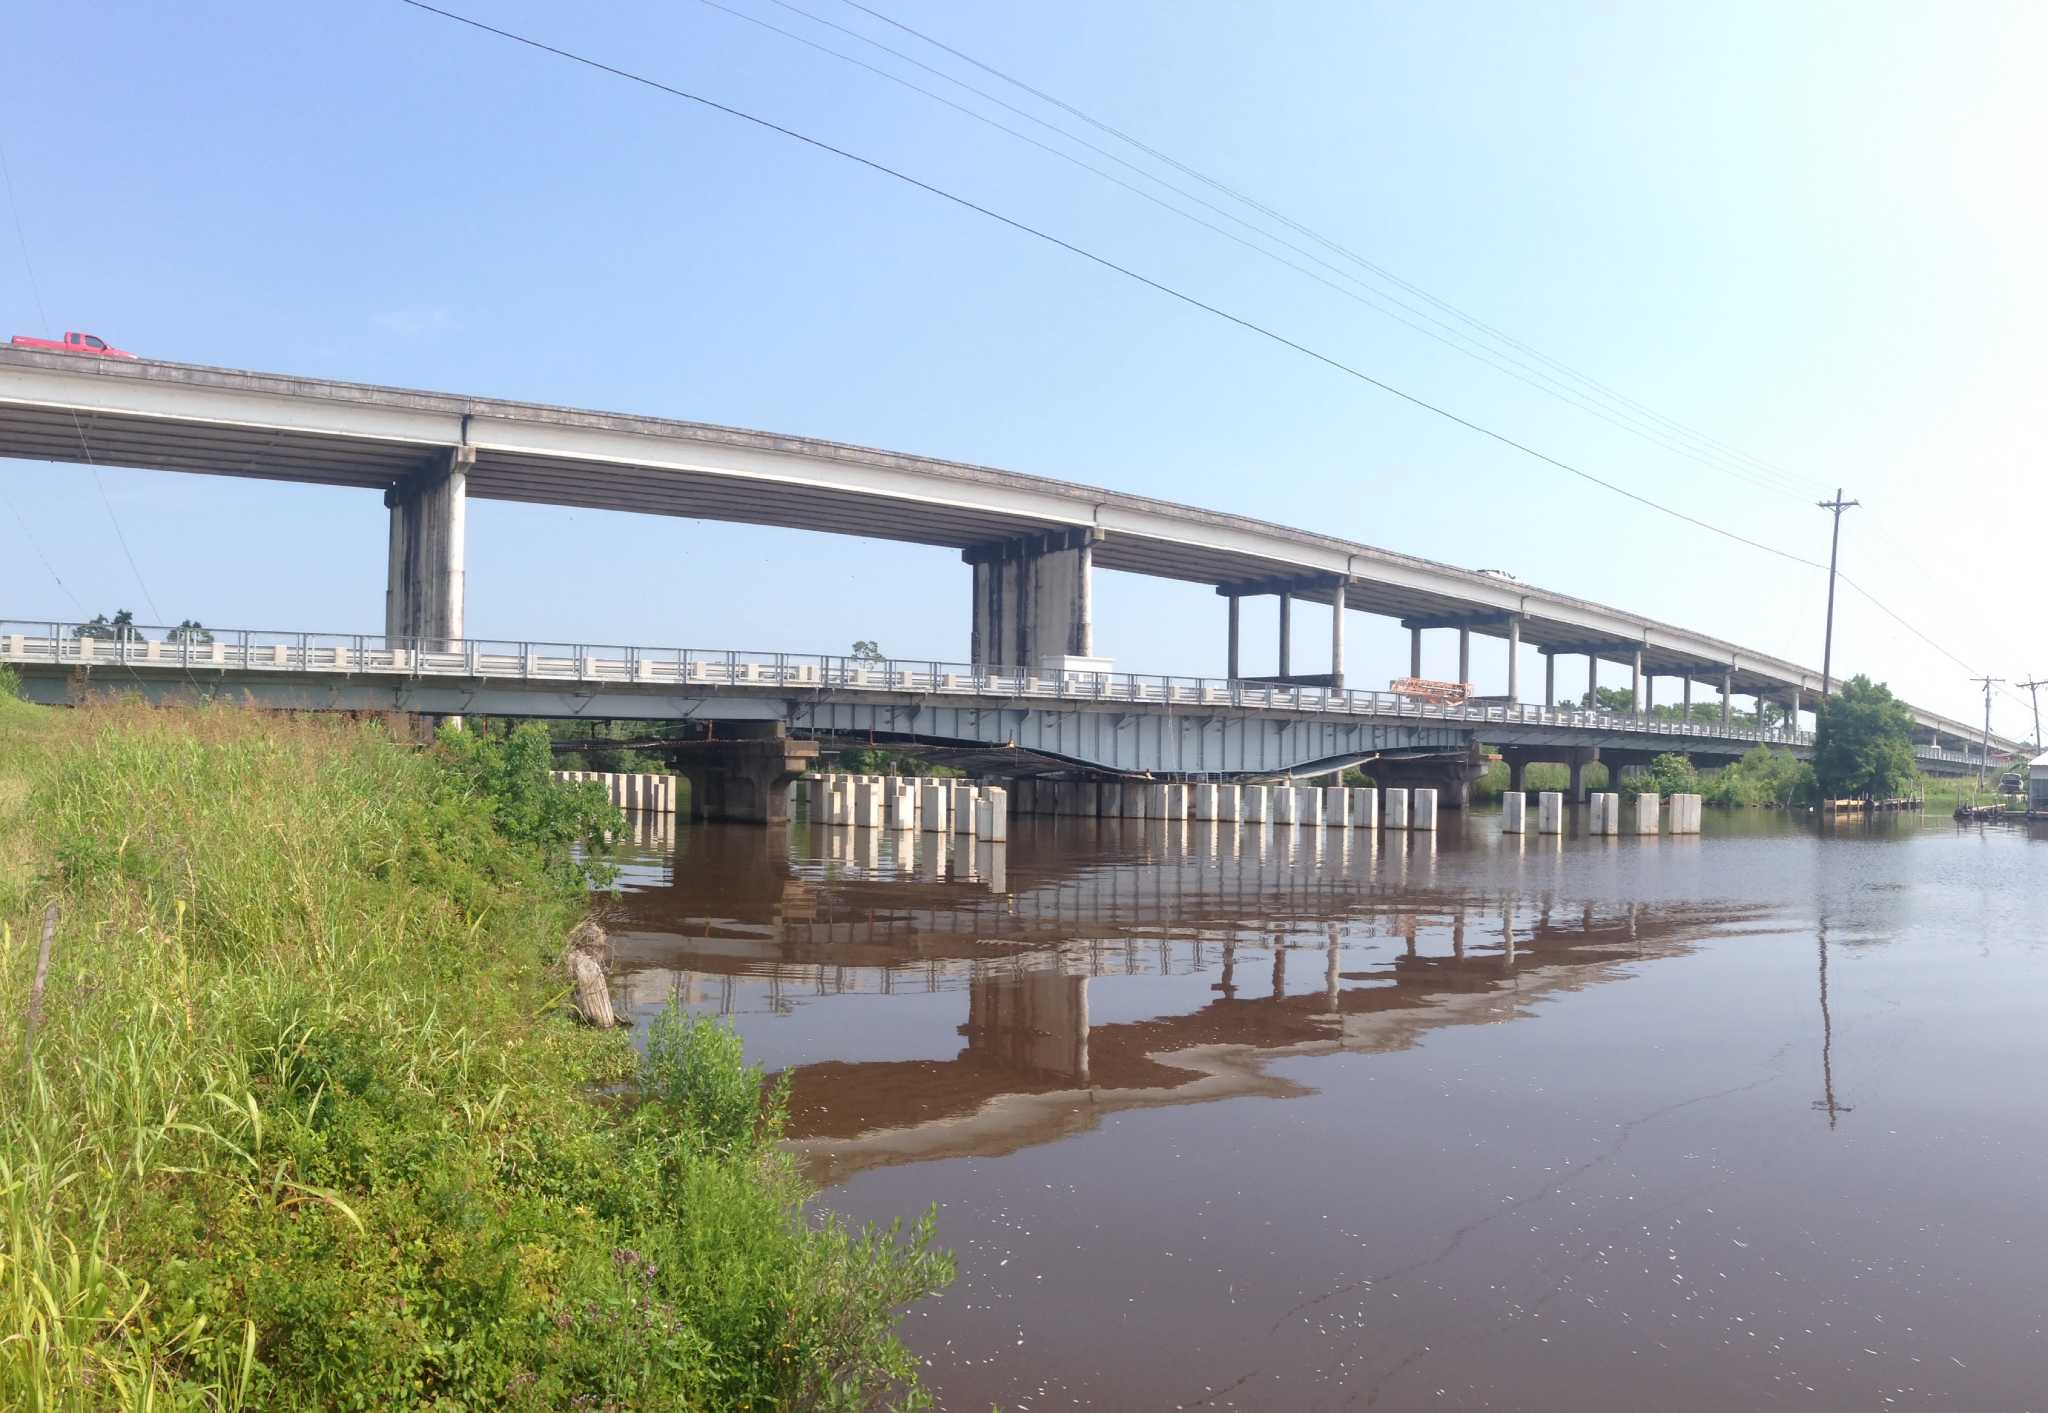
x,y
1031,544
1094,722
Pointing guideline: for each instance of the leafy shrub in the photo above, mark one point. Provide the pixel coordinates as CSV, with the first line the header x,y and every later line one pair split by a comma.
x,y
1762,777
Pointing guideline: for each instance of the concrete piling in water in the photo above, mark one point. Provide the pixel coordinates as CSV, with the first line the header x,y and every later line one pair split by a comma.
x,y
1365,807
1286,805
1550,812
1336,807
992,815
932,803
1111,802
962,807
867,804
1205,801
1646,813
1135,799
1604,815
1394,805
1228,798
1422,809
1255,804
1514,812
1685,814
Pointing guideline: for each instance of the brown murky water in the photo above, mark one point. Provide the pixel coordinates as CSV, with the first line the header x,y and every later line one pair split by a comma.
x,y
1280,1120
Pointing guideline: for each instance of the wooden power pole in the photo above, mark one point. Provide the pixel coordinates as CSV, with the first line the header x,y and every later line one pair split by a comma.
x,y
1984,757
2034,691
1827,651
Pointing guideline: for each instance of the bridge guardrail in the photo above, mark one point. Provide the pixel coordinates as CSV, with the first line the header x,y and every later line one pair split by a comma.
x,y
131,646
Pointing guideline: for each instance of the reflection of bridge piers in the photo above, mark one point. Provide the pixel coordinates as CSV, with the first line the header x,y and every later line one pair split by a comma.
x,y
1034,1019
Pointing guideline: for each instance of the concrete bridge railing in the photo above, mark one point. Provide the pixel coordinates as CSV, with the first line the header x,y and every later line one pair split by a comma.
x,y
68,646
63,646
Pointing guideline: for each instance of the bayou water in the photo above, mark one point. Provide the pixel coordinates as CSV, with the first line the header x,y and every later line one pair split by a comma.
x,y
1222,1117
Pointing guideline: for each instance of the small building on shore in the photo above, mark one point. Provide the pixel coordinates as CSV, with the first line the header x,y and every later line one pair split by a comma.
x,y
2037,786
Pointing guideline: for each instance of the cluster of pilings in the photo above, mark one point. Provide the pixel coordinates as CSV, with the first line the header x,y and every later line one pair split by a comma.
x,y
1307,806
655,794
1604,814
906,802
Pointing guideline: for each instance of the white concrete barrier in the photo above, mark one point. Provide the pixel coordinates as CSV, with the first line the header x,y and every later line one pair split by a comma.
x,y
1514,812
1336,807
1394,804
1550,812
1365,807
1422,809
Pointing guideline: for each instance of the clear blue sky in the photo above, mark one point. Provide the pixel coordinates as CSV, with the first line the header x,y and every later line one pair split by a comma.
x,y
1813,232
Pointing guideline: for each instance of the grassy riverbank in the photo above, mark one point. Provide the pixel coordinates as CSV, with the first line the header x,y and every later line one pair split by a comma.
x,y
303,1123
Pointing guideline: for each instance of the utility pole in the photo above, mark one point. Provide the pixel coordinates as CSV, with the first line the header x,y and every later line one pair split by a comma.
x,y
1984,757
2034,691
1827,651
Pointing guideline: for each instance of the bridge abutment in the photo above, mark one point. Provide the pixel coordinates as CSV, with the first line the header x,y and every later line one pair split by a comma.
x,y
746,780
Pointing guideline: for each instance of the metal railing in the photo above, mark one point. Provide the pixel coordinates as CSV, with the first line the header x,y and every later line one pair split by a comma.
x,y
139,647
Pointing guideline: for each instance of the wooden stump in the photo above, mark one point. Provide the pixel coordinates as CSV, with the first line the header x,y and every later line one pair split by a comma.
x,y
587,955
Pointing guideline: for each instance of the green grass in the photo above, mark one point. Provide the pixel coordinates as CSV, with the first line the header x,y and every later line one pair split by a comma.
x,y
306,1125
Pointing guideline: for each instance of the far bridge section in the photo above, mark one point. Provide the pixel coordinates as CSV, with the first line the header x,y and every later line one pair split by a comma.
x,y
1029,546
1010,722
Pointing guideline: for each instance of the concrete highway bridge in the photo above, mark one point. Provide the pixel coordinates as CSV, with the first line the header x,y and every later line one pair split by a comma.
x,y
1030,682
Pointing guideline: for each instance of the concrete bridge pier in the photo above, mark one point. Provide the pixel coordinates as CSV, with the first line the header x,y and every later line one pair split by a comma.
x,y
1579,757
746,780
423,587
1033,599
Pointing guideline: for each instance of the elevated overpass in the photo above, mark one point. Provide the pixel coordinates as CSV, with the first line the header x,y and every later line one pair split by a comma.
x,y
1031,543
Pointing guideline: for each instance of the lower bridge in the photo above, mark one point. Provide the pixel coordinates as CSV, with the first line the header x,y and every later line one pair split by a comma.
x,y
1089,723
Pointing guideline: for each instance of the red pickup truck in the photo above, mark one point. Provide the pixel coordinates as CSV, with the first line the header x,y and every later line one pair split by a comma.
x,y
90,344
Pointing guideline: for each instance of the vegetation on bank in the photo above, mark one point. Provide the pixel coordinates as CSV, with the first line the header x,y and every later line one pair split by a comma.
x,y
300,1120
1863,744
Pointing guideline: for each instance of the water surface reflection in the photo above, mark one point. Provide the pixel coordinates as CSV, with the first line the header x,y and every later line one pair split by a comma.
x,y
1720,1170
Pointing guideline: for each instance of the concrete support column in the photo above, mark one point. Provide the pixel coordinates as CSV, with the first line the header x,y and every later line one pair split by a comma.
x,y
1337,636
1414,652
1592,686
1518,772
1514,657
1464,654
1286,634
1033,599
1234,602
424,575
1686,698
1794,723
1550,679
1635,681
1649,691
1727,693
1759,708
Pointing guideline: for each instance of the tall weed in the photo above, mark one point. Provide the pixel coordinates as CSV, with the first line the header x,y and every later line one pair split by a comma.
x,y
306,1126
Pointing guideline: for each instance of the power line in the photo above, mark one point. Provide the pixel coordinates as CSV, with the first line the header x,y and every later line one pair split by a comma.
x,y
1791,481
1364,293
1171,292
1106,263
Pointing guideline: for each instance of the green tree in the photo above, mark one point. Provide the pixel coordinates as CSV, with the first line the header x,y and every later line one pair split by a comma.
x,y
1864,746
867,650
511,773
